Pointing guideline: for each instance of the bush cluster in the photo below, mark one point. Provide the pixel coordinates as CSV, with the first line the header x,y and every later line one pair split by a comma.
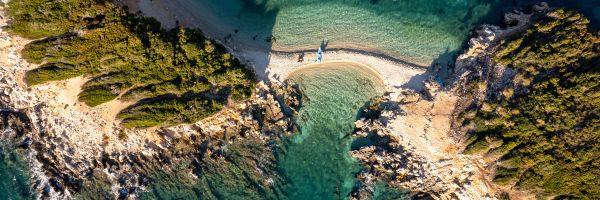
x,y
548,138
177,76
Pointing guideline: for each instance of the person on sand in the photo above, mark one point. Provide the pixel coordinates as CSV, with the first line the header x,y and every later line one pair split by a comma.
x,y
301,57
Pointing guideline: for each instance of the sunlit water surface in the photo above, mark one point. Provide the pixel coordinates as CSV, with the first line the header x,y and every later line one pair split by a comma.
x,y
418,31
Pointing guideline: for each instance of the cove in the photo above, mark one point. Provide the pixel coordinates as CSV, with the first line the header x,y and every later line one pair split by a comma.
x,y
417,31
315,162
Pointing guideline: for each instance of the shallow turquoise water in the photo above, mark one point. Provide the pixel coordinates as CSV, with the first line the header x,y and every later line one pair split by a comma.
x,y
14,181
418,31
316,162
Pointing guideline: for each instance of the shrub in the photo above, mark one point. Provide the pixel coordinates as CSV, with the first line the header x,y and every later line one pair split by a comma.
x,y
129,57
550,134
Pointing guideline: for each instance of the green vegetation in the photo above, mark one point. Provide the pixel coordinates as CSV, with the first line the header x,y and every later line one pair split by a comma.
x,y
188,109
549,135
42,18
179,76
51,72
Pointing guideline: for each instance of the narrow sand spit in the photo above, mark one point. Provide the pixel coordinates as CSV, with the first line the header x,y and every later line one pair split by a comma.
x,y
275,65
393,74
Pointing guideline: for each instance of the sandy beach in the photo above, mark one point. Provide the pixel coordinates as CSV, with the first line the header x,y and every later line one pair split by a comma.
x,y
277,65
339,65
394,75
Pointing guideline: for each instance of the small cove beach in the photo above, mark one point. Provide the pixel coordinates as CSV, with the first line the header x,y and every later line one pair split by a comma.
x,y
270,35
315,162
370,48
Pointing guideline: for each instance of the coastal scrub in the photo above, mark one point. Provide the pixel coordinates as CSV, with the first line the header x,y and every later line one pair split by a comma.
x,y
546,129
175,76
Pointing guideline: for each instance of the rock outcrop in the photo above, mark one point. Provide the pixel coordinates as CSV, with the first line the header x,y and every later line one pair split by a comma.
x,y
72,147
476,76
411,151
416,143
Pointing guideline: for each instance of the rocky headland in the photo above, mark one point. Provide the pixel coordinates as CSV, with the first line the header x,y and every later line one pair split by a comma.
x,y
78,151
417,140
416,137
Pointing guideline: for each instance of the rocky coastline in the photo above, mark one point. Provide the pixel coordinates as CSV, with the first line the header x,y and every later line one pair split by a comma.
x,y
416,139
400,157
73,150
61,171
77,151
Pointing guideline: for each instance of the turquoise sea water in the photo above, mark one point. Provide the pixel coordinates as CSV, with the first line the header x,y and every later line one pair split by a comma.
x,y
418,31
14,175
316,162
